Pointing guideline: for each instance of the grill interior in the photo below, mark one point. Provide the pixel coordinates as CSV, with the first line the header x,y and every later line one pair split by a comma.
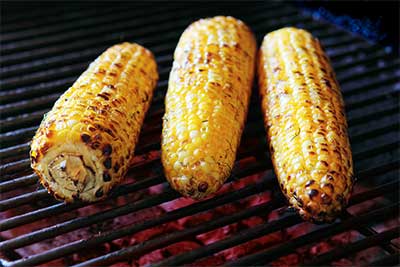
x,y
43,50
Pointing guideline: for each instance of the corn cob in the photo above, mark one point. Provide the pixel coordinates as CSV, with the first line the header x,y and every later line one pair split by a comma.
x,y
84,144
305,123
206,104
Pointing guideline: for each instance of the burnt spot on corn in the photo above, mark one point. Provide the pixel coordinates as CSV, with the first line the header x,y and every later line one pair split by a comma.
x,y
309,183
95,145
106,177
99,192
107,150
190,192
100,71
203,186
107,163
116,167
49,133
45,148
97,137
104,96
313,193
324,163
85,138
330,178
33,159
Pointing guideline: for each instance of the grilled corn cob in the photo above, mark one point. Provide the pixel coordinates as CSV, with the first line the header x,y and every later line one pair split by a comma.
x,y
305,123
84,144
206,104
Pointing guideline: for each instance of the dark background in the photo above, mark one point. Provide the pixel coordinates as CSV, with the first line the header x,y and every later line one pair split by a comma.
x,y
375,20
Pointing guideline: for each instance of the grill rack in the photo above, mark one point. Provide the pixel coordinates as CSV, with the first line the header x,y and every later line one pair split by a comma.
x,y
368,74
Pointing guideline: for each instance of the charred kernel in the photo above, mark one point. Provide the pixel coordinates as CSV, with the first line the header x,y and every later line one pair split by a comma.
x,y
107,150
45,148
107,163
190,192
33,159
313,193
203,187
326,199
85,138
95,145
116,167
105,97
308,209
106,177
300,202
324,163
309,183
99,192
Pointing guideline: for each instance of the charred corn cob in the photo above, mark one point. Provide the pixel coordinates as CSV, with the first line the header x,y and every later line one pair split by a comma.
x,y
84,144
206,104
305,123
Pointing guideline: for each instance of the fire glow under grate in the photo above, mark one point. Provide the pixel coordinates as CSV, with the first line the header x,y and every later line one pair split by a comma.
x,y
43,51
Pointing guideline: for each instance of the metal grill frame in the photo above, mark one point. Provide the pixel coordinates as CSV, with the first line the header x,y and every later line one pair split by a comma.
x,y
39,49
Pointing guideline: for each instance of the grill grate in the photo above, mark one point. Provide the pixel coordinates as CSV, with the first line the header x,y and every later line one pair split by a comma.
x,y
44,50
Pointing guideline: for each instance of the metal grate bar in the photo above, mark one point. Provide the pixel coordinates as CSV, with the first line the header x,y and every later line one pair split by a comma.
x,y
280,250
18,182
10,83
13,167
350,77
14,150
171,24
347,249
60,208
198,207
377,56
85,24
176,236
18,121
31,237
246,235
140,23
67,16
35,90
131,21
391,260
368,231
